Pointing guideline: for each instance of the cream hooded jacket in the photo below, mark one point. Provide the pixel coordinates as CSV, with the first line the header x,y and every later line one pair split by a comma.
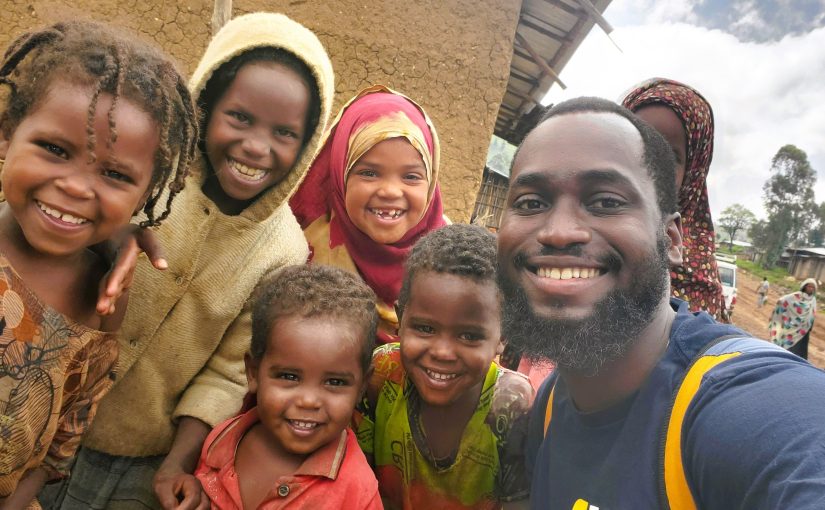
x,y
187,328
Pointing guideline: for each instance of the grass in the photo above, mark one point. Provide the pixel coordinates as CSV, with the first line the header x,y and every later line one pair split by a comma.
x,y
723,248
776,276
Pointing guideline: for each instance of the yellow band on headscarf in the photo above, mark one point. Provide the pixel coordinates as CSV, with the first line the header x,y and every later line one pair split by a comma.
x,y
392,125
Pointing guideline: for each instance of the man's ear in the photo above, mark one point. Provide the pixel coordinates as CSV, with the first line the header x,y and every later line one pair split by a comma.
x,y
673,231
251,365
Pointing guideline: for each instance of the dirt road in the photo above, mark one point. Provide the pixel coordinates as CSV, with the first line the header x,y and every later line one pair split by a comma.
x,y
755,320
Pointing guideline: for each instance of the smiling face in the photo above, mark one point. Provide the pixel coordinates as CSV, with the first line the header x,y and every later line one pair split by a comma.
x,y
386,191
307,382
450,333
61,201
668,124
581,202
256,131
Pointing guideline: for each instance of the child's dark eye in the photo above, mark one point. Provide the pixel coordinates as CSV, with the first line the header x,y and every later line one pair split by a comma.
x,y
54,149
366,172
470,337
337,382
287,376
286,133
239,116
118,176
414,177
423,329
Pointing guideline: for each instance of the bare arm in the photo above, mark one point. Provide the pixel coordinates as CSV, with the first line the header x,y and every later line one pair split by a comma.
x,y
26,490
123,253
175,485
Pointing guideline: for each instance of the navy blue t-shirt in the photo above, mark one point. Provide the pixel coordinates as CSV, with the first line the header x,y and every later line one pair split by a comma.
x,y
753,436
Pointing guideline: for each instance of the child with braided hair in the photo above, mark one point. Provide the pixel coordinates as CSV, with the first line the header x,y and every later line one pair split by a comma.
x,y
442,423
98,128
264,87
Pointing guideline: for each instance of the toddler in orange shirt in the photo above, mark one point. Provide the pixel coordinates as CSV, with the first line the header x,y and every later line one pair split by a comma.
x,y
312,334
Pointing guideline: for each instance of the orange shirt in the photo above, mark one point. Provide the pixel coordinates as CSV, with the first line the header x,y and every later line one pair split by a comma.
x,y
333,477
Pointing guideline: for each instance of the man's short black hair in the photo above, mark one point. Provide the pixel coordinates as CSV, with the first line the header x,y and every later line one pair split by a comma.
x,y
658,156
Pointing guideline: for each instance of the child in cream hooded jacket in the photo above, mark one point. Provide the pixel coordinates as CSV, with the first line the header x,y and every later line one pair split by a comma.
x,y
187,328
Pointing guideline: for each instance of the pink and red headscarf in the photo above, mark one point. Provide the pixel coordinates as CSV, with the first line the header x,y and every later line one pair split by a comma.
x,y
374,115
697,280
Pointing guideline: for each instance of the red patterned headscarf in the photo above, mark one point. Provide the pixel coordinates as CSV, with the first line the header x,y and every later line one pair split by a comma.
x,y
375,114
697,280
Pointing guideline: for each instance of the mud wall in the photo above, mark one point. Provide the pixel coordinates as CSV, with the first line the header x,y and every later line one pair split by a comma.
x,y
452,56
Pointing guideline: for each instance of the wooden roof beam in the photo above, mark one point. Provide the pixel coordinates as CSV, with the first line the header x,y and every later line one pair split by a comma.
x,y
544,66
523,97
540,29
221,14
564,6
596,15
532,18
518,76
508,108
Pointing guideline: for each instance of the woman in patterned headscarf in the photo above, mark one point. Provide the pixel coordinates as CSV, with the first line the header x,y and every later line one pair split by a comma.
x,y
793,318
685,119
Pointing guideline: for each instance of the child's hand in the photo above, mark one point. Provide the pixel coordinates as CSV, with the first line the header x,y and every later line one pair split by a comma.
x,y
119,278
179,491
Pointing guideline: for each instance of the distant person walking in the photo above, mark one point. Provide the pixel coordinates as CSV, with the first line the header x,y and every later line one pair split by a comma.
x,y
762,292
793,318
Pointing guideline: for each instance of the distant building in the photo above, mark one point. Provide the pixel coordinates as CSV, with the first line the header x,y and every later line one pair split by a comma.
x,y
493,191
806,263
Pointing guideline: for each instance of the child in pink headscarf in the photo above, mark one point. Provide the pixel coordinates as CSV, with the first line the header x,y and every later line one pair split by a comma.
x,y
372,192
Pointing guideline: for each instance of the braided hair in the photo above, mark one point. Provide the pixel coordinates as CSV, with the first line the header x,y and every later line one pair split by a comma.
x,y
102,58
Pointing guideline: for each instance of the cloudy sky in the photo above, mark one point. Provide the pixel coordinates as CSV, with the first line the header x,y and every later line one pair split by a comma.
x,y
760,63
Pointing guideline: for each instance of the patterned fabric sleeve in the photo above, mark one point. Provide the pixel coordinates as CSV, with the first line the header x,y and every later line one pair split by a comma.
x,y
88,378
508,419
363,424
385,365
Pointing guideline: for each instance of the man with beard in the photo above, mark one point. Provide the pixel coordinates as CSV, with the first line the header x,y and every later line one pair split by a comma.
x,y
588,235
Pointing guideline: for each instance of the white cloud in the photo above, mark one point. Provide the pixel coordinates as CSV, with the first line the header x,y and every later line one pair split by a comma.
x,y
749,17
764,95
635,12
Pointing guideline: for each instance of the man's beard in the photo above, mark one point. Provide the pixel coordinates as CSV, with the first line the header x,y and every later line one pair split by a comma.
x,y
586,344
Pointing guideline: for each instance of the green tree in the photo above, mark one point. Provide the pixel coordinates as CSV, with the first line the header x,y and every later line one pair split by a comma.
x,y
789,194
735,218
770,237
817,234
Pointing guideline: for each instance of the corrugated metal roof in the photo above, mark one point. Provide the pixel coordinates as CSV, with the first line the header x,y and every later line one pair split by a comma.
x,y
812,250
550,30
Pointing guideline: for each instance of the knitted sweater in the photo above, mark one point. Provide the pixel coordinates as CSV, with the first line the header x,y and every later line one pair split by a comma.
x,y
187,328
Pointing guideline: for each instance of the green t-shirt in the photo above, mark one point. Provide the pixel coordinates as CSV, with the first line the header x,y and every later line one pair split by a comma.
x,y
488,468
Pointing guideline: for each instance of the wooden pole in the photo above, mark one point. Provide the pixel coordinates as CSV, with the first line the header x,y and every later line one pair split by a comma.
x,y
221,14
544,66
596,15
